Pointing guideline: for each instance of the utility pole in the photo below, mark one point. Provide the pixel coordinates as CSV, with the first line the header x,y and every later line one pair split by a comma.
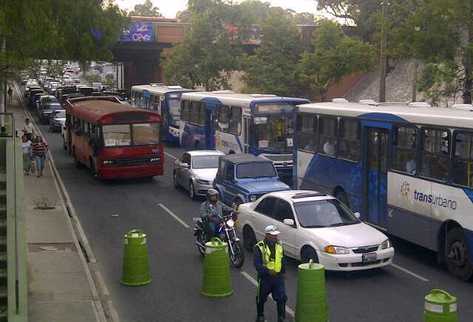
x,y
382,56
414,81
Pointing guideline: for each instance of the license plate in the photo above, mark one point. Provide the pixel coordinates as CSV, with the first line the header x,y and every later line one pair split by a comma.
x,y
369,257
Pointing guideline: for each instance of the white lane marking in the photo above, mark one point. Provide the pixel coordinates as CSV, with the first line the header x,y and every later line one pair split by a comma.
x,y
255,283
170,155
173,215
405,270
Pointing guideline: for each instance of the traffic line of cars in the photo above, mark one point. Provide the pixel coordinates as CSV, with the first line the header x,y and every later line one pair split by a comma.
x,y
314,226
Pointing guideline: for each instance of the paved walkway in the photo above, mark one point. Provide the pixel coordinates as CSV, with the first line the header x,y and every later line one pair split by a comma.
x,y
59,288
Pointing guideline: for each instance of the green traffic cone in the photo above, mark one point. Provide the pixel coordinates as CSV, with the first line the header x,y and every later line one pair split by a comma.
x,y
311,305
135,259
216,281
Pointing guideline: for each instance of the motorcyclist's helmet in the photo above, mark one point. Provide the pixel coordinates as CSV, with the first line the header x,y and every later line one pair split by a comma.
x,y
212,195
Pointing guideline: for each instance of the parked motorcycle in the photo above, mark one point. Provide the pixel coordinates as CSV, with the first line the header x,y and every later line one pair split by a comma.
x,y
227,232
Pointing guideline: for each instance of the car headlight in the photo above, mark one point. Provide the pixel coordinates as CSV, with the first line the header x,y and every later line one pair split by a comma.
x,y
338,250
386,244
253,198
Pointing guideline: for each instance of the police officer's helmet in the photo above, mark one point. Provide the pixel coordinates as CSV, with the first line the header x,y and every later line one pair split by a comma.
x,y
212,193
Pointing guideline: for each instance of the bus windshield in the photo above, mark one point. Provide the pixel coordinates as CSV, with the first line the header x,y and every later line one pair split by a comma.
x,y
174,111
130,134
274,133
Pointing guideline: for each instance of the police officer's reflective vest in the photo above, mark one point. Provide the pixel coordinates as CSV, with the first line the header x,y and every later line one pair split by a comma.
x,y
275,264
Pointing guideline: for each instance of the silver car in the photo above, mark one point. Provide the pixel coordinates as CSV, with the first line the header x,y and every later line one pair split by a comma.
x,y
195,171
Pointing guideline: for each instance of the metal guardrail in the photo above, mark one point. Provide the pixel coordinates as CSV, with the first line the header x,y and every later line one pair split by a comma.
x,y
16,237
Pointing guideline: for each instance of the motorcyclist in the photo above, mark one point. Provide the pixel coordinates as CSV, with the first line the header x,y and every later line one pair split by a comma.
x,y
211,212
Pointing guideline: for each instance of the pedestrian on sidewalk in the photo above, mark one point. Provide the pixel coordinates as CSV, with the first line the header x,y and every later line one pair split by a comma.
x,y
28,129
26,148
39,149
10,95
270,265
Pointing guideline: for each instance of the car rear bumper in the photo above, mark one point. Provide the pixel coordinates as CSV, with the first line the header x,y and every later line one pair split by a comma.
x,y
354,262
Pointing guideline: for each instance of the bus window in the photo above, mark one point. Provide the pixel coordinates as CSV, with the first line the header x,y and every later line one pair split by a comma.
x,y
307,132
349,144
463,159
174,104
145,133
235,120
116,135
435,153
223,119
197,113
185,111
328,135
405,144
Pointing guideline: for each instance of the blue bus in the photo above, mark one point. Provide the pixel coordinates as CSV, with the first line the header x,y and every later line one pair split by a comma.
x,y
408,169
166,101
259,124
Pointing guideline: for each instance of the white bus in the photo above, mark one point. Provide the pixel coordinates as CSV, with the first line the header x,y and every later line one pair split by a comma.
x,y
164,100
407,169
259,124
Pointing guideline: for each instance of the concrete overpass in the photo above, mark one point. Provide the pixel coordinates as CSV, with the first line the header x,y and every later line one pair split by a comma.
x,y
142,46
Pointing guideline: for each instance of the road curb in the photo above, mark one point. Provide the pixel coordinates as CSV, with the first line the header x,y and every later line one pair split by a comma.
x,y
103,305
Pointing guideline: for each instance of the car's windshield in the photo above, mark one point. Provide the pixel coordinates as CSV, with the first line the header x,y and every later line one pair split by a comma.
x,y
205,162
274,131
255,170
324,213
49,99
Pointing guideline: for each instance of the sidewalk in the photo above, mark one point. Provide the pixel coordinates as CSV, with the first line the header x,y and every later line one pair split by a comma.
x,y
59,288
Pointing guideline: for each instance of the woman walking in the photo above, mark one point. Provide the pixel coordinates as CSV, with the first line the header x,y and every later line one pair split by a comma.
x,y
39,149
26,148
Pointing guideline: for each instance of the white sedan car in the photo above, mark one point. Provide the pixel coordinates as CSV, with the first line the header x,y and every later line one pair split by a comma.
x,y
318,227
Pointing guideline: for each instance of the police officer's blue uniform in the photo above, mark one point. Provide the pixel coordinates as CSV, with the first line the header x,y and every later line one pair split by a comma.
x,y
270,264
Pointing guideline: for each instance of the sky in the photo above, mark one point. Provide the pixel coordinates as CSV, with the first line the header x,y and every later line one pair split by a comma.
x,y
169,8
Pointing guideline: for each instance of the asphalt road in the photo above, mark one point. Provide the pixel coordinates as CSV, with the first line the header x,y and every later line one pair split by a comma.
x,y
109,209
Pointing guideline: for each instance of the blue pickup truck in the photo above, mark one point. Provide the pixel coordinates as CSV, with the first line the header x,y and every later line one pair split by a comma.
x,y
244,177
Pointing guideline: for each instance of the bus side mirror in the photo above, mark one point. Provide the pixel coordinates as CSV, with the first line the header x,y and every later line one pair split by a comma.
x,y
357,215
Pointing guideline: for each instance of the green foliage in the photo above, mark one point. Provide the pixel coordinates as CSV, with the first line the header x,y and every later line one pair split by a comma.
x,y
57,29
207,54
440,81
335,55
92,78
145,9
273,66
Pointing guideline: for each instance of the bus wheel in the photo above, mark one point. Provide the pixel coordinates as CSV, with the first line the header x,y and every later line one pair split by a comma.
x,y
457,257
342,196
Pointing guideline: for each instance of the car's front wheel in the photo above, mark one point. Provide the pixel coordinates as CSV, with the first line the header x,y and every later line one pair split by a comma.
x,y
249,238
192,191
308,254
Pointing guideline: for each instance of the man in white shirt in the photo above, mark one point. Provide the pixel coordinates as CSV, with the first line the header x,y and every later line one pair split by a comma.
x,y
28,129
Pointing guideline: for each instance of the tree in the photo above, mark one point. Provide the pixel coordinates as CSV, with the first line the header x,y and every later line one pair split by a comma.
x,y
78,30
145,9
273,66
207,54
335,55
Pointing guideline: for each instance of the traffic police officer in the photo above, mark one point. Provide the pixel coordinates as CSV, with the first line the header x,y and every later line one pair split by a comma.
x,y
269,263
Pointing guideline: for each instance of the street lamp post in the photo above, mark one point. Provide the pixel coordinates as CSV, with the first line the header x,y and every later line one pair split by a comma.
x,y
382,56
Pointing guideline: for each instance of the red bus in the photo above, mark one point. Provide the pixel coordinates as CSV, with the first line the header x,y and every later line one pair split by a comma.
x,y
112,139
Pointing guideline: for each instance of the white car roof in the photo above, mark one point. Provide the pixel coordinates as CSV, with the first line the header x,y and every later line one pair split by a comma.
x,y
295,196
205,152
